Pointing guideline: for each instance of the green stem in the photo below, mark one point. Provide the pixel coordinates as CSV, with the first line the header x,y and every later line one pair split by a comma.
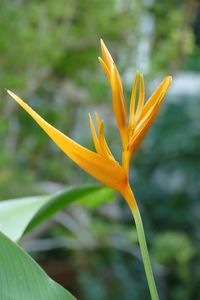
x,y
142,242
145,254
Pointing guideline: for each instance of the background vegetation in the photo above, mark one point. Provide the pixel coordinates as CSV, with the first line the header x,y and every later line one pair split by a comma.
x,y
49,53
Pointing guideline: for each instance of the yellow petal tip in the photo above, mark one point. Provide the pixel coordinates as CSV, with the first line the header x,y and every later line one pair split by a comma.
x,y
9,92
169,78
100,59
168,81
16,98
101,41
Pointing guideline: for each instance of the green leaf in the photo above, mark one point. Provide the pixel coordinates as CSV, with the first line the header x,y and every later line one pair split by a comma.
x,y
16,214
22,215
83,194
21,278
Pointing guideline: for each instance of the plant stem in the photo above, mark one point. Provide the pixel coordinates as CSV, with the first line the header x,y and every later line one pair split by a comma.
x,y
142,242
145,254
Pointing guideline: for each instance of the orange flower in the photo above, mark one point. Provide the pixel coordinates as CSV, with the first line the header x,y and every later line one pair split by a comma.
x,y
102,164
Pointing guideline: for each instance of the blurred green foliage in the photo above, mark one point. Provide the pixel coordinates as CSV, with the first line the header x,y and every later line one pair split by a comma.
x,y
49,53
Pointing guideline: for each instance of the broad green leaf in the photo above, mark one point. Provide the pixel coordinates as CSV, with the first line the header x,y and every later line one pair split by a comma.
x,y
16,214
20,215
21,278
58,201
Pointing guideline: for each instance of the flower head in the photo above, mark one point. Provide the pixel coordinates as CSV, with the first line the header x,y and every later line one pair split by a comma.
x,y
141,114
101,164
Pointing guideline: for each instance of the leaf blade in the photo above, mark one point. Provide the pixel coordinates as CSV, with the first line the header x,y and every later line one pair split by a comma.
x,y
21,278
19,216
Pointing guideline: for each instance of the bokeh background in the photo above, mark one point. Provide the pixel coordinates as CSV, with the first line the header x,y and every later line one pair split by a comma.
x,y
49,53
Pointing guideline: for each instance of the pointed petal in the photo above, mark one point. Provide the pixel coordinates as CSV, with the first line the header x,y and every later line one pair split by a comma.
x,y
141,99
118,99
97,120
133,100
102,140
106,171
145,123
103,143
94,136
106,54
119,106
164,86
105,68
107,61
139,135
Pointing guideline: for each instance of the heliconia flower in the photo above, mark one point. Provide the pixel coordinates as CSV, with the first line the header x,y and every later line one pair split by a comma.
x,y
102,164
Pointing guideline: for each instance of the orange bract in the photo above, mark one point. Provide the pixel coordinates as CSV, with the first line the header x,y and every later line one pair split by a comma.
x,y
141,114
102,164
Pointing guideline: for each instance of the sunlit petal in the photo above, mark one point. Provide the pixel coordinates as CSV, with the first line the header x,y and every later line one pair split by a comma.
x,y
103,143
105,68
98,121
143,126
106,55
141,99
163,87
118,99
133,100
101,137
94,136
149,113
107,64
106,171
